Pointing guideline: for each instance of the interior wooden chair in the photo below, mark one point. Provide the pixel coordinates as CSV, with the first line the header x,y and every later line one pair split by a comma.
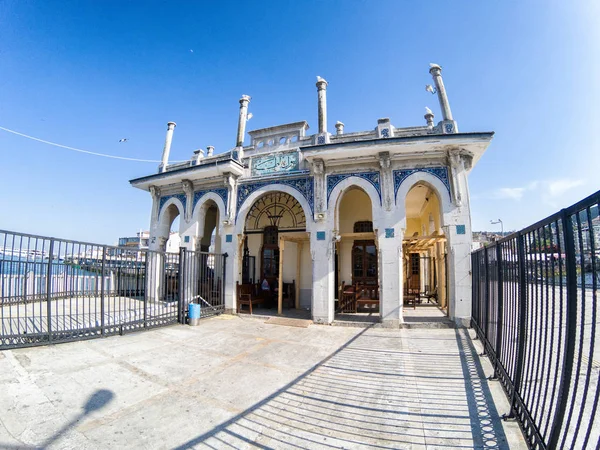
x,y
246,296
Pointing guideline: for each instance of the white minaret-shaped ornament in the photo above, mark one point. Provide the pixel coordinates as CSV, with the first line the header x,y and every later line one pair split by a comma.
x,y
167,148
322,137
448,123
243,118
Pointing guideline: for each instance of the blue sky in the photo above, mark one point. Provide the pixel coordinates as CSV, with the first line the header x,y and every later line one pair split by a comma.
x,y
86,74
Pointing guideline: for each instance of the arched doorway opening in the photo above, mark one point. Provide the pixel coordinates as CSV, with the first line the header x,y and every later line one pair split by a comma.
x,y
356,261
276,271
424,249
163,265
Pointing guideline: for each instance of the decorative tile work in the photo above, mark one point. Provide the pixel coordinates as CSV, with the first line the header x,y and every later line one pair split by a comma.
x,y
371,177
461,229
166,198
449,127
389,233
186,239
303,185
320,235
221,192
439,172
229,238
385,132
321,140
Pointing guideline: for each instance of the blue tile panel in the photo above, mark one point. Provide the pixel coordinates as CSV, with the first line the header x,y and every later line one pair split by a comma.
x,y
371,177
166,198
439,172
186,239
229,238
303,185
221,192
320,235
389,233
461,229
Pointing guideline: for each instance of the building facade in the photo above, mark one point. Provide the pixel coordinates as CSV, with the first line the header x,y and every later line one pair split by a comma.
x,y
382,214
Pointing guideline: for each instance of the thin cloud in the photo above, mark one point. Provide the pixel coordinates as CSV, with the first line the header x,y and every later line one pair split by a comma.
x,y
559,187
509,193
548,190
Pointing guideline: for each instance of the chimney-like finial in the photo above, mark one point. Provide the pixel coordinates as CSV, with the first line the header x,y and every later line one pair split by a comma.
x,y
322,99
436,72
339,127
167,148
209,151
429,118
243,118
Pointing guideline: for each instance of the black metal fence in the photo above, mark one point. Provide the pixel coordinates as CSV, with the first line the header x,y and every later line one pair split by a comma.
x,y
56,290
535,308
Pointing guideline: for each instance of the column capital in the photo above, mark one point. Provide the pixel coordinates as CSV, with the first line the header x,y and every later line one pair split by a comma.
x,y
321,83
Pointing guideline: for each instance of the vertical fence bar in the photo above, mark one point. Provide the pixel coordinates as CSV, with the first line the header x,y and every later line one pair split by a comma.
x,y
569,355
49,289
521,336
102,329
224,256
500,300
182,286
486,300
147,287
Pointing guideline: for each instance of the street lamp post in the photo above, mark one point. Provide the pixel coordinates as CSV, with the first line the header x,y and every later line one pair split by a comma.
x,y
501,225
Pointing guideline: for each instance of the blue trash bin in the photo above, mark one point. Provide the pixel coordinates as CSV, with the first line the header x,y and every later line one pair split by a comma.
x,y
194,314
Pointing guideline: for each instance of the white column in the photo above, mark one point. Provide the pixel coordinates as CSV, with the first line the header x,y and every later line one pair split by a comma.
x,y
322,98
167,148
232,266
436,73
323,274
243,118
390,277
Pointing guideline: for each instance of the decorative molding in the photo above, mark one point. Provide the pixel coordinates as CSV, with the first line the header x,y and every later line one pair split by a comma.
x,y
165,199
303,185
372,177
221,192
440,172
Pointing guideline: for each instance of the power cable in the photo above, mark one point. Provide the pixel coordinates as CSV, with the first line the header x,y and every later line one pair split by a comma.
x,y
82,151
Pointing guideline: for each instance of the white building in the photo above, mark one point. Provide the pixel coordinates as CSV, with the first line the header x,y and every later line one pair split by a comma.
x,y
385,211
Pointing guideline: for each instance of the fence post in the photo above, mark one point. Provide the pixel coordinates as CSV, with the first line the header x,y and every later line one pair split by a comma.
x,y
225,255
49,289
569,355
486,301
102,331
146,287
521,333
500,298
182,280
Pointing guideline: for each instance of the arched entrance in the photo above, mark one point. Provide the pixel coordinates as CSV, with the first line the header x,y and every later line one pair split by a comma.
x,y
276,273
356,263
424,248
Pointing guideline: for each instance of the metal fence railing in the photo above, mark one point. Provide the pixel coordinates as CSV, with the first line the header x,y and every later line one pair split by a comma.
x,y
56,290
535,308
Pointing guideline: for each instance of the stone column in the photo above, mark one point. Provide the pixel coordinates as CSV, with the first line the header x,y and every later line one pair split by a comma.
x,y
231,184
232,266
188,189
322,94
241,131
318,169
167,148
436,73
321,249
387,181
390,276
459,270
155,193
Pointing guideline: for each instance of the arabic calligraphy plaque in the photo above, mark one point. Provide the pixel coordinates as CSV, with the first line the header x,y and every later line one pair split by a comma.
x,y
275,163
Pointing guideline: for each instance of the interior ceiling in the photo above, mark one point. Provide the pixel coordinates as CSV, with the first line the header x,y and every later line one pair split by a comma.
x,y
415,199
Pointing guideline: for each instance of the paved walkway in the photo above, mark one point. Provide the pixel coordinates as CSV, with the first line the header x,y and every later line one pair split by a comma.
x,y
240,383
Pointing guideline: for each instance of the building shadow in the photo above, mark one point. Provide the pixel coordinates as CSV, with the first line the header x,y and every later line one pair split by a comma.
x,y
378,390
97,401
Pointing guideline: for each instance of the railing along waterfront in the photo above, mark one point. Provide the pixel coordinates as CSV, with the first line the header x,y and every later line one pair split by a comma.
x,y
535,308
55,290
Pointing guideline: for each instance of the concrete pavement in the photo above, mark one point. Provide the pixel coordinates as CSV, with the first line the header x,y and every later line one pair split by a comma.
x,y
236,382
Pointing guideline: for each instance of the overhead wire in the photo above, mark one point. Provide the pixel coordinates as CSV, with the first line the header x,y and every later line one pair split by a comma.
x,y
104,155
